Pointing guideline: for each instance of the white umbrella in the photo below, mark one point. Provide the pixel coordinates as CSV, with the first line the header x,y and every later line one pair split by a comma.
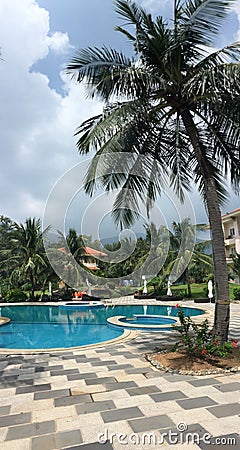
x,y
144,284
89,287
210,289
169,292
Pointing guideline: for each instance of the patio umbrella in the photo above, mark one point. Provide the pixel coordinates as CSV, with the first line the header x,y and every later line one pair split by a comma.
x,y
169,292
210,290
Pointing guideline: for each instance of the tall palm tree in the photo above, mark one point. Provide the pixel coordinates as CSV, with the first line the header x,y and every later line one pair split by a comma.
x,y
29,251
182,252
173,111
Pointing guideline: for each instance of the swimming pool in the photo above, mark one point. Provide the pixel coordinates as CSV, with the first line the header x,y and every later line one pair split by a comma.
x,y
43,326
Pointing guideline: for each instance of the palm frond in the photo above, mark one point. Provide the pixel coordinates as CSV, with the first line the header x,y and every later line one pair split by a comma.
x,y
202,19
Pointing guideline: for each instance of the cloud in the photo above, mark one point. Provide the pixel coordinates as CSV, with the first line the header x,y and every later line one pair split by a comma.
x,y
36,123
59,43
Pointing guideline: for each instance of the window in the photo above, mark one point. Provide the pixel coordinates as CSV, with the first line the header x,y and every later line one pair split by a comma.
x,y
232,231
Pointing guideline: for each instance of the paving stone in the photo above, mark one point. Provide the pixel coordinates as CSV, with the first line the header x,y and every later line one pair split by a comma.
x,y
15,419
165,396
101,380
205,382
72,400
192,434
57,373
120,367
120,385
82,358
92,446
66,357
81,376
121,414
10,384
58,440
153,374
198,402
103,363
176,378
54,393
55,367
142,390
228,387
31,429
95,406
3,365
41,369
138,370
230,409
4,410
223,442
150,423
38,387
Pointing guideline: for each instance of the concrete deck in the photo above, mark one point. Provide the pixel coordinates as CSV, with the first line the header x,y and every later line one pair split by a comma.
x,y
75,399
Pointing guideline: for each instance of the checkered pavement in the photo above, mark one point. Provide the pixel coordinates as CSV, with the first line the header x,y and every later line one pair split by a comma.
x,y
75,399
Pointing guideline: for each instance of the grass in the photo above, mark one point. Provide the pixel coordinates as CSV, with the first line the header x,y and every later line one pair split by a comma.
x,y
200,290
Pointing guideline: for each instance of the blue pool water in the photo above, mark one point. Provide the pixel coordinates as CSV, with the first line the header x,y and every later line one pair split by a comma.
x,y
43,327
150,320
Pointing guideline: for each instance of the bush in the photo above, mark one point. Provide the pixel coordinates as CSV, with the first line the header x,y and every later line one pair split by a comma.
x,y
236,293
198,340
111,285
16,295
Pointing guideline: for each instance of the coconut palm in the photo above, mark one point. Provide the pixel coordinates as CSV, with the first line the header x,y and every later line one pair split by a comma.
x,y
28,253
182,253
173,111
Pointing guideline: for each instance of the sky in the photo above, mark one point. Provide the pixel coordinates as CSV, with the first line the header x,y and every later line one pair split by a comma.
x,y
41,106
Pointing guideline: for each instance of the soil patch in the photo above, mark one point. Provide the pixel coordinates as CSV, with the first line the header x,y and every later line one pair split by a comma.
x,y
181,362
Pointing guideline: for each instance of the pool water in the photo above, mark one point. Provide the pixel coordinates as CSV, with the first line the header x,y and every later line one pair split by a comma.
x,y
151,320
43,327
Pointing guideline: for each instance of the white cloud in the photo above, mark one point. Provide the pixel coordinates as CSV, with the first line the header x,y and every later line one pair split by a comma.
x,y
36,123
236,9
59,43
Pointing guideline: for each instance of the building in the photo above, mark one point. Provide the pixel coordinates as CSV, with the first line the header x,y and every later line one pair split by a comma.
x,y
90,257
231,230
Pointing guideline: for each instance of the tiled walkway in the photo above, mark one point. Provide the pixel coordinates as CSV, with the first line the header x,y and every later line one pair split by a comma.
x,y
76,399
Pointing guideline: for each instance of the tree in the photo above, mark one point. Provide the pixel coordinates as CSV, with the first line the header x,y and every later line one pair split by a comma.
x,y
29,251
182,254
235,265
173,111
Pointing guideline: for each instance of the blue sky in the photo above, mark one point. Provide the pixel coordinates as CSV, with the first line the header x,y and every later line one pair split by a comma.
x,y
41,107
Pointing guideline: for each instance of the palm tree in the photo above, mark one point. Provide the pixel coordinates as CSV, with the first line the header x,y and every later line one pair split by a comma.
x,y
183,253
173,111
235,265
29,253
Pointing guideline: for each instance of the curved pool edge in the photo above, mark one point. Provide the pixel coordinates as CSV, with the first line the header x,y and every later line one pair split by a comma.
x,y
116,321
4,320
126,335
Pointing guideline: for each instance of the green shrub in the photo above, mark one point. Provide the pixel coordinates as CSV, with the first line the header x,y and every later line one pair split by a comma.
x,y
16,295
236,293
111,285
199,340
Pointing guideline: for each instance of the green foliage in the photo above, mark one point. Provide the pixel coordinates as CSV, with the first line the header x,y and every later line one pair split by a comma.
x,y
16,295
198,340
236,293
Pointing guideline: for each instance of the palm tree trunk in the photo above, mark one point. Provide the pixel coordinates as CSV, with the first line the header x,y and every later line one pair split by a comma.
x,y
188,283
222,300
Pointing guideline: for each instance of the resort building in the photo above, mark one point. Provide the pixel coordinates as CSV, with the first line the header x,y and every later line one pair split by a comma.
x,y
231,230
90,257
